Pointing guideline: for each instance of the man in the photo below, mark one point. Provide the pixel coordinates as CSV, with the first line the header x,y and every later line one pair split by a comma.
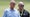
x,y
23,12
11,12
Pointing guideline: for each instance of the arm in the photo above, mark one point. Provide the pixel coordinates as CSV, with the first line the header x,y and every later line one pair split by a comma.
x,y
28,14
19,15
5,14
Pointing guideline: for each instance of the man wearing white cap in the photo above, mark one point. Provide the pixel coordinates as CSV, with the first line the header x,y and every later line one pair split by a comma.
x,y
23,12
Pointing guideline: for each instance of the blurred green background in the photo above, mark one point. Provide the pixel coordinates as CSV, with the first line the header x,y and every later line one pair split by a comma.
x,y
5,4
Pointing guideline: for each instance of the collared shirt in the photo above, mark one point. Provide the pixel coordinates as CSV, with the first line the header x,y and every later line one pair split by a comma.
x,y
11,13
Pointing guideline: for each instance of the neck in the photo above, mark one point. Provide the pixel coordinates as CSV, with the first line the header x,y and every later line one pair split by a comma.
x,y
12,8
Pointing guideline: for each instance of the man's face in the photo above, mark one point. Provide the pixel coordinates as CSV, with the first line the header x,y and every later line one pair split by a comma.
x,y
21,6
12,5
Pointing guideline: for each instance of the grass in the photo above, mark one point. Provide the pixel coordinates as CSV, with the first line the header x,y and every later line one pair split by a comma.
x,y
5,4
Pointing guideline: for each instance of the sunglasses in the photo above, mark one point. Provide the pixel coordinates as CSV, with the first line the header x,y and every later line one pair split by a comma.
x,y
21,5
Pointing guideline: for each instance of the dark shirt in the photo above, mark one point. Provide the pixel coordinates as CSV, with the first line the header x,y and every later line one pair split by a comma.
x,y
25,14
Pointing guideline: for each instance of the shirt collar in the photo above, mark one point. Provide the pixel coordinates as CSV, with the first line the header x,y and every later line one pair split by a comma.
x,y
13,9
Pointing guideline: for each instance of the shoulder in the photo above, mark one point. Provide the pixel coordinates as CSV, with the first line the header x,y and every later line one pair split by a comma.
x,y
6,9
16,11
26,12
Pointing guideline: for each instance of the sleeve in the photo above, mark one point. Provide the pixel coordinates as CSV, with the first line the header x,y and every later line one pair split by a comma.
x,y
5,14
28,14
19,15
